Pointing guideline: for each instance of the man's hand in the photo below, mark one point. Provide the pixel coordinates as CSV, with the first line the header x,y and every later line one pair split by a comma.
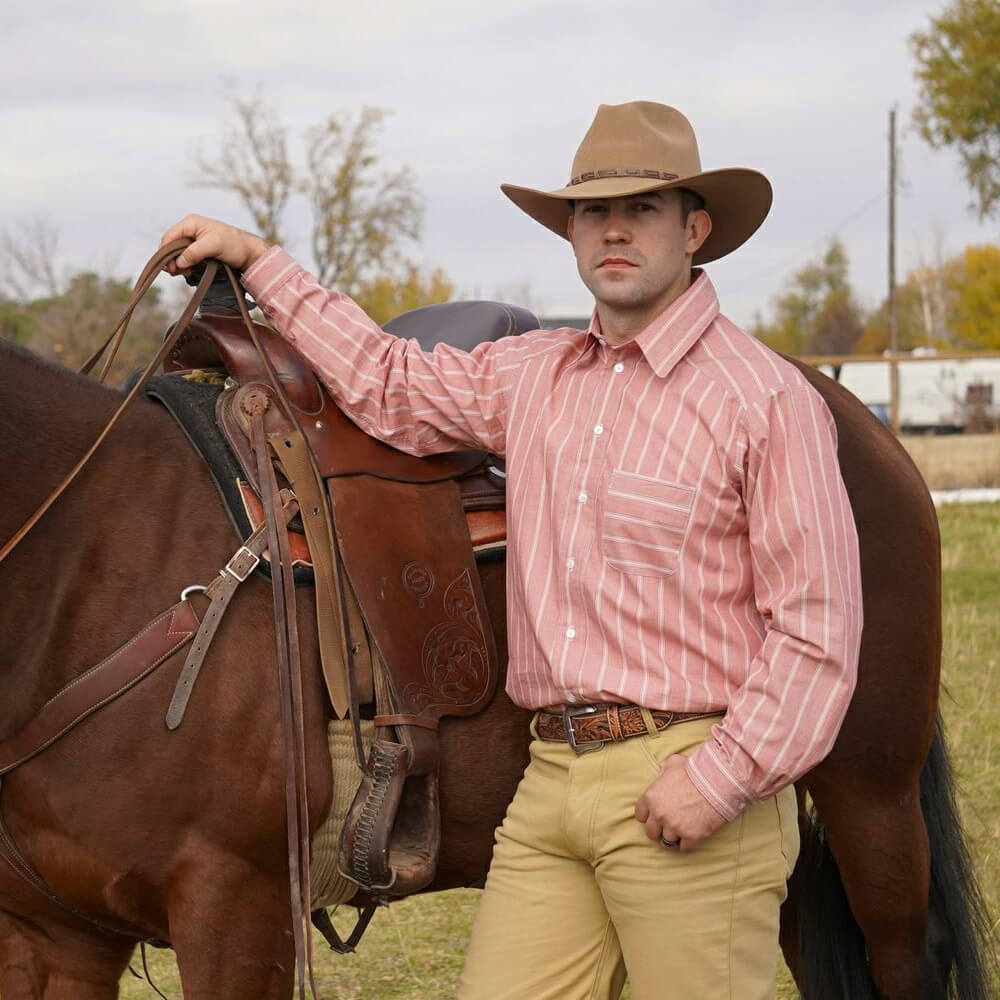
x,y
213,239
672,808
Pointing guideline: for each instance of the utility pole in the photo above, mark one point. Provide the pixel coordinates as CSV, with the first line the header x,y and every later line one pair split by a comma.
x,y
893,334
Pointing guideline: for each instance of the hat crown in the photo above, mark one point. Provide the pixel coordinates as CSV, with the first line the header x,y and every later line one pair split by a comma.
x,y
640,136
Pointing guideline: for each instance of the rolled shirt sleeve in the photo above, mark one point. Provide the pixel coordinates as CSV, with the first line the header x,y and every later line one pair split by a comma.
x,y
784,717
419,402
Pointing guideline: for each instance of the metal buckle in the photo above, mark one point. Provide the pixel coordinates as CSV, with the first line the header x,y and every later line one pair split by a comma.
x,y
568,715
228,568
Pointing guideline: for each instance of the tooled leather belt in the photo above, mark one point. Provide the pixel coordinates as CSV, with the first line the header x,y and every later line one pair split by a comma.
x,y
588,727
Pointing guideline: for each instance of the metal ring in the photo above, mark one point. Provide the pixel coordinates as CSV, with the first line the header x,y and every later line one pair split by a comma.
x,y
192,590
670,843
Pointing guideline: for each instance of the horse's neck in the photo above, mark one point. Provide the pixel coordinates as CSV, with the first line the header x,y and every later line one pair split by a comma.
x,y
48,418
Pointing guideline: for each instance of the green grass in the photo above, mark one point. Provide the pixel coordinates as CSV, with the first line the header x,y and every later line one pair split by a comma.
x,y
414,949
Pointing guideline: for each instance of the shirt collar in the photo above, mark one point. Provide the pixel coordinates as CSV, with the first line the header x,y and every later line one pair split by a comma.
x,y
678,328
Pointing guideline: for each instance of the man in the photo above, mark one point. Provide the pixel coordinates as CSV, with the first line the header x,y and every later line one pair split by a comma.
x,y
683,578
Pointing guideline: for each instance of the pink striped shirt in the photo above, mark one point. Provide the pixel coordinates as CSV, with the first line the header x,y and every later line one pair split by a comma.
x,y
678,532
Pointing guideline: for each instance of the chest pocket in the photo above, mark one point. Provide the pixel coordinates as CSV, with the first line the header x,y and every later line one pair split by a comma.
x,y
644,523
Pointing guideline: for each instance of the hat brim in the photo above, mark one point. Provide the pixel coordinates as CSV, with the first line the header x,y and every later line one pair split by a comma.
x,y
737,199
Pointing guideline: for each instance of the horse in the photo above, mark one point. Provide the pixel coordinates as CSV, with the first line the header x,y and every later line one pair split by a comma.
x,y
179,837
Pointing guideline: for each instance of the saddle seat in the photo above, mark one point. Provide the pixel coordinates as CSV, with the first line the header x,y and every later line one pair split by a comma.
x,y
402,534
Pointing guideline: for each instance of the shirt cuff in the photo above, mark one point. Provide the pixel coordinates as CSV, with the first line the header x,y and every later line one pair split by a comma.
x,y
715,781
268,273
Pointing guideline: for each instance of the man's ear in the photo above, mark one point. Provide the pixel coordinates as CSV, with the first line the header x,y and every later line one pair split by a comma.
x,y
569,226
699,225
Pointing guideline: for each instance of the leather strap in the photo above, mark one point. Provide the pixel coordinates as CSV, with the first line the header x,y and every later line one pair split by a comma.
x,y
289,676
334,643
101,684
166,253
220,591
423,721
322,922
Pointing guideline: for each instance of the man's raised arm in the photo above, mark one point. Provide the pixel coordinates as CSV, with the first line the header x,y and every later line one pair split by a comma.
x,y
419,402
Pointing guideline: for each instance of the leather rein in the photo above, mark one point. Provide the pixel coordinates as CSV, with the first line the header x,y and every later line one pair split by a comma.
x,y
279,507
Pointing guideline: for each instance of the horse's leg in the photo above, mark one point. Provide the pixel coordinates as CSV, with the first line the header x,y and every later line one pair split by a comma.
x,y
54,963
231,931
880,844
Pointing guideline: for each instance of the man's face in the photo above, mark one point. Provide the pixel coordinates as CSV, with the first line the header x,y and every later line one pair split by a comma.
x,y
633,252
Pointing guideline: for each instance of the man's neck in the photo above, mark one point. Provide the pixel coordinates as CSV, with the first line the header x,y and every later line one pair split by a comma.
x,y
620,325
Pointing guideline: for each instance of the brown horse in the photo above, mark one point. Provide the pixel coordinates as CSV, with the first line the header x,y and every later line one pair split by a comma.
x,y
180,836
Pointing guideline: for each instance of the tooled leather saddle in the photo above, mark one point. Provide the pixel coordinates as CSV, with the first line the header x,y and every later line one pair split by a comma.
x,y
401,570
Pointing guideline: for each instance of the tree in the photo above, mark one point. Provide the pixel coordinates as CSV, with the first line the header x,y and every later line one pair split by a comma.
x,y
819,313
362,216
65,316
959,76
976,308
68,326
383,298
923,313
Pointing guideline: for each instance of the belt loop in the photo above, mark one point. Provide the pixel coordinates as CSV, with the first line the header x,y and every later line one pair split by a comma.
x,y
615,724
647,718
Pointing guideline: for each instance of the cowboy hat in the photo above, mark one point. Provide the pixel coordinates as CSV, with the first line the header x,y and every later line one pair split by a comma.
x,y
641,146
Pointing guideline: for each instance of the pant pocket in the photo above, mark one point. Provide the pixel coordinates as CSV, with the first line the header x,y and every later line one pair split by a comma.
x,y
787,806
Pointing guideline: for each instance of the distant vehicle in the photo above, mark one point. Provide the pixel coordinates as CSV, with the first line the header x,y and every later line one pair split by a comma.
x,y
935,397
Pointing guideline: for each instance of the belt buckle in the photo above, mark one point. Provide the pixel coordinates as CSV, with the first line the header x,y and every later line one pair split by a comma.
x,y
568,715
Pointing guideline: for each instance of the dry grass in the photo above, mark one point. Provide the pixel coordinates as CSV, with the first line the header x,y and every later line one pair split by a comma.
x,y
954,461
414,950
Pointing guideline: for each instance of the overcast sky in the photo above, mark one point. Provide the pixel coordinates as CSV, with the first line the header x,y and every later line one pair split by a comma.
x,y
102,104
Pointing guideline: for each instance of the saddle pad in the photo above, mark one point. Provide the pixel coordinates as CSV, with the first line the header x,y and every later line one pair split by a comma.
x,y
192,404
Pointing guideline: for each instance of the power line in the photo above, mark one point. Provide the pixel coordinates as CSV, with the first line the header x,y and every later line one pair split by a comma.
x,y
798,255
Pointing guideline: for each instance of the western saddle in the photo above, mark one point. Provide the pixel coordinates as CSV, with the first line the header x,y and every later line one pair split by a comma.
x,y
392,540
397,573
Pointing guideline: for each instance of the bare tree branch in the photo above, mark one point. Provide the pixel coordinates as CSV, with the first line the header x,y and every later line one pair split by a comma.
x,y
28,259
252,162
359,216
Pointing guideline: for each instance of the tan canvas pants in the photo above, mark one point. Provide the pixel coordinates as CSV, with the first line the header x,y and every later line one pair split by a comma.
x,y
577,894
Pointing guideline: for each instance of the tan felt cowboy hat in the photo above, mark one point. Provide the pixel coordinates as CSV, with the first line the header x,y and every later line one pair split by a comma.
x,y
642,146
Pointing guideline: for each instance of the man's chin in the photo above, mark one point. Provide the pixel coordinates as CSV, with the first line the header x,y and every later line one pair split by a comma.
x,y
618,296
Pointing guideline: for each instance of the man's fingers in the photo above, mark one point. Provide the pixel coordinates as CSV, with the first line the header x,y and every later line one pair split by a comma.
x,y
190,226
641,810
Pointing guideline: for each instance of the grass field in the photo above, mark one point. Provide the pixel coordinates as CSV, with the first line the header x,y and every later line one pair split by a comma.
x,y
414,949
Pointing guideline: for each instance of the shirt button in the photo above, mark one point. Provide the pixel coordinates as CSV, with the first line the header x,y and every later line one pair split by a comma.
x,y
570,563
582,498
619,368
599,429
571,633
570,697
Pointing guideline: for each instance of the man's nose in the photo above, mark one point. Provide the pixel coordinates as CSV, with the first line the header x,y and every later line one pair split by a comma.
x,y
616,229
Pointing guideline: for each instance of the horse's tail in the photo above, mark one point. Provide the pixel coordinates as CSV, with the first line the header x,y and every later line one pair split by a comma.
x,y
959,929
833,964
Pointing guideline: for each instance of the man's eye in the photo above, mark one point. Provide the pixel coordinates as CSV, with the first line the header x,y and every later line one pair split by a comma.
x,y
593,209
